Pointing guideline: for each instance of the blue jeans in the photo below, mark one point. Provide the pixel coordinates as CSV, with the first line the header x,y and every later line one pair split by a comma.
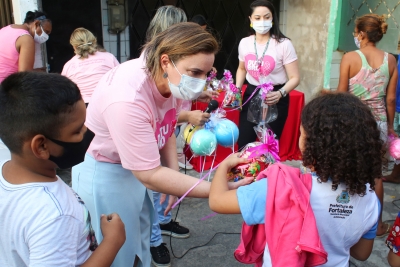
x,y
156,238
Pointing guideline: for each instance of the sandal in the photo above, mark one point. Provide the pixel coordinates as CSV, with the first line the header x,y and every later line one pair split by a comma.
x,y
389,227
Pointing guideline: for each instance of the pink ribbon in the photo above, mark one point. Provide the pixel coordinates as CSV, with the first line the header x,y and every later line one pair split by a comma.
x,y
270,145
265,89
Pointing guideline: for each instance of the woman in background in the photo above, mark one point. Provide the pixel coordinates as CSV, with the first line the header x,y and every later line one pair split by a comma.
x,y
270,55
89,64
17,51
371,74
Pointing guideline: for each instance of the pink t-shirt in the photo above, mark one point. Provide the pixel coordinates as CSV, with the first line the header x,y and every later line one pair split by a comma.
x,y
9,55
87,72
276,57
131,120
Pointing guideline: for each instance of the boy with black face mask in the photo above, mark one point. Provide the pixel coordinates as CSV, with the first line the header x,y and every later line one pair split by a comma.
x,y
43,222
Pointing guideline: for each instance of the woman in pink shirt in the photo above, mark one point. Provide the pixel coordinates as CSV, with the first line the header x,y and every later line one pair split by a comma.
x,y
133,113
17,51
89,64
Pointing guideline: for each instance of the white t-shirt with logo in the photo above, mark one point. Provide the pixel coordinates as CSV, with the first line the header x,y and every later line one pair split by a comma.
x,y
43,225
273,63
341,219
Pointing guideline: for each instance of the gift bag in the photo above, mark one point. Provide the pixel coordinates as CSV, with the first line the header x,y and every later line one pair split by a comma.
x,y
259,112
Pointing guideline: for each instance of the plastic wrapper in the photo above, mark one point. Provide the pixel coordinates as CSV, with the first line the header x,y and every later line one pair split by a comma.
x,y
233,96
261,154
394,148
213,84
259,112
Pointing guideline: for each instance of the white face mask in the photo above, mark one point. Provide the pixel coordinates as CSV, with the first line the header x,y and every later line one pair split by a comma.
x,y
357,42
40,39
189,88
262,26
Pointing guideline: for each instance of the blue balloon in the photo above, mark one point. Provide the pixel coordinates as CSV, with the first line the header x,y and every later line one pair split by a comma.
x,y
203,142
227,133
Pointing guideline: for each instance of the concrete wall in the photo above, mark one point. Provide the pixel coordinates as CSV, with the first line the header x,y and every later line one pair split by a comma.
x,y
110,40
307,24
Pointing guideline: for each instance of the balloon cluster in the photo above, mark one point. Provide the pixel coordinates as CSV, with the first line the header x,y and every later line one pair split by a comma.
x,y
218,130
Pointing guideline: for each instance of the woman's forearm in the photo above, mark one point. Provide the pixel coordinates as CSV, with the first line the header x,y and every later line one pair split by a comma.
x,y
240,77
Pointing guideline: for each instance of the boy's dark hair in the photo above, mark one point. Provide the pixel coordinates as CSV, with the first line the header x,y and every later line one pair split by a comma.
x,y
342,141
34,103
31,16
199,19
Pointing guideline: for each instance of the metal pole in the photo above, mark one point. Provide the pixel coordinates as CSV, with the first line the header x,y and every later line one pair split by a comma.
x,y
119,46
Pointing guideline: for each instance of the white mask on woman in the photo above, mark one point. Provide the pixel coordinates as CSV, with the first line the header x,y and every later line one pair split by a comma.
x,y
262,26
189,88
40,39
357,42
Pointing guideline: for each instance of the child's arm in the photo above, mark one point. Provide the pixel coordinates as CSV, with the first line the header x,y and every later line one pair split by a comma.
x,y
113,231
393,259
362,249
221,199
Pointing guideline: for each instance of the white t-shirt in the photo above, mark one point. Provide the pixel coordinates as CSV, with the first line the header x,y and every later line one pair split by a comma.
x,y
43,225
278,55
341,219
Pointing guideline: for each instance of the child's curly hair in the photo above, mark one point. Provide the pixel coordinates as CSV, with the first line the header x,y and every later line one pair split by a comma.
x,y
342,141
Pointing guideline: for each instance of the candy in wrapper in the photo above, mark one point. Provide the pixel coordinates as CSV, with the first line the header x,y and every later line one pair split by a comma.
x,y
261,154
394,148
233,96
251,169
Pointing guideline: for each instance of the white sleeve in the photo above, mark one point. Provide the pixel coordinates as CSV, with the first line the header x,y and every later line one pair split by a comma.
x,y
55,243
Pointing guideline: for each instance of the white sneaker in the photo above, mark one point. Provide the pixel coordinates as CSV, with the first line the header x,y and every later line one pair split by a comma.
x,y
181,162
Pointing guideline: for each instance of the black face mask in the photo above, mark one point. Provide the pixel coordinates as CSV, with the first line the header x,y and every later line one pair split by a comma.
x,y
74,153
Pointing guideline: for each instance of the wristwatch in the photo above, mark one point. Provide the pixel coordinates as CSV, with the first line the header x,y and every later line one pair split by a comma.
x,y
283,92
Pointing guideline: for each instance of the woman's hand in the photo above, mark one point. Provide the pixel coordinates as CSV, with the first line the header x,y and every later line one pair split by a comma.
x,y
207,96
198,118
273,98
391,131
171,202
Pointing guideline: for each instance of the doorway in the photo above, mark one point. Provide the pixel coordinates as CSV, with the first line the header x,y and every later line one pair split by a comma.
x,y
67,15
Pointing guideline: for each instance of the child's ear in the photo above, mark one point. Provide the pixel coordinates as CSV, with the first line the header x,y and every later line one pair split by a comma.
x,y
39,147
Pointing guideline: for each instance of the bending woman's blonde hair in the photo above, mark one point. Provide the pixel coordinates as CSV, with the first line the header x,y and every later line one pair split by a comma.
x,y
164,17
83,42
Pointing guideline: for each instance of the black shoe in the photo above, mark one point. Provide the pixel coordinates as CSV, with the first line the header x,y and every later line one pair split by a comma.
x,y
160,256
174,229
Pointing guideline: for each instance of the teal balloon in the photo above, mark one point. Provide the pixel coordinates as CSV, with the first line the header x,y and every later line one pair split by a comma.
x,y
227,133
203,143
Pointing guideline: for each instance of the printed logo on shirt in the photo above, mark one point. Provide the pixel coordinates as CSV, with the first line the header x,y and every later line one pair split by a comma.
x,y
91,237
341,210
166,128
267,65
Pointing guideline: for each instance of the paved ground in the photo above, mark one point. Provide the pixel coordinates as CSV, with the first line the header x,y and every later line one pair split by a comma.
x,y
204,224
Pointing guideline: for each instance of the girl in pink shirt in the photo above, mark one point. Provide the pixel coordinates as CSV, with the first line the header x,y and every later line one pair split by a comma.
x,y
133,113
17,51
88,65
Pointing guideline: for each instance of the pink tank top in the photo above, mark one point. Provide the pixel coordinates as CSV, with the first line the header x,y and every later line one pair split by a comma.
x,y
8,53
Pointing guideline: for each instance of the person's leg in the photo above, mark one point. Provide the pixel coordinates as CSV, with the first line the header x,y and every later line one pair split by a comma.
x,y
383,228
180,145
108,188
159,252
394,177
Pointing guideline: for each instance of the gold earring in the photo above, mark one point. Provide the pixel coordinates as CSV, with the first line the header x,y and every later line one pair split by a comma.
x,y
251,25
